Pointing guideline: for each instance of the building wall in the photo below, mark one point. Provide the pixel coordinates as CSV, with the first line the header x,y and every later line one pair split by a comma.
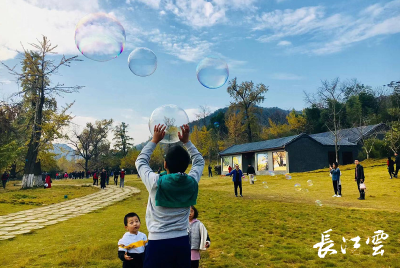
x,y
306,154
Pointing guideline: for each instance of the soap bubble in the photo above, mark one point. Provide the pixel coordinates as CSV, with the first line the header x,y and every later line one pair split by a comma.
x,y
171,116
310,183
266,186
305,190
271,173
297,187
142,61
100,37
254,178
216,124
287,176
212,72
318,203
264,182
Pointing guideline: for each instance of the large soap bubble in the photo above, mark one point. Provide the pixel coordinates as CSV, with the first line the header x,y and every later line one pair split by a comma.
x,y
171,116
212,72
100,37
142,61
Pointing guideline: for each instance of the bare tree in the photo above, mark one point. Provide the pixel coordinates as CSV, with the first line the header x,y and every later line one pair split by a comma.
x,y
330,96
87,143
36,89
202,115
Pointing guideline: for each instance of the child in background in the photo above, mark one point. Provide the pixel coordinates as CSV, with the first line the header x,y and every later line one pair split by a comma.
x,y
199,239
132,245
170,196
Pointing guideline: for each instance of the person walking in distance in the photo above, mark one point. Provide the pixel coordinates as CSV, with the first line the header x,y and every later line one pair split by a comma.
x,y
251,172
335,171
116,174
359,178
397,161
237,179
209,171
390,164
103,178
122,180
4,179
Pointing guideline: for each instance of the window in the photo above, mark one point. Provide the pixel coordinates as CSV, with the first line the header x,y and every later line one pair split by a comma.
x,y
237,160
279,160
226,162
262,161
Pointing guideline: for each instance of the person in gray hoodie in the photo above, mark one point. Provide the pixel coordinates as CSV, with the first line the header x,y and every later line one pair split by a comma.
x,y
199,238
171,194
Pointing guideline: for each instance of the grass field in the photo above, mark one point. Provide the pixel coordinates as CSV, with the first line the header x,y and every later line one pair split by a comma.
x,y
274,227
13,199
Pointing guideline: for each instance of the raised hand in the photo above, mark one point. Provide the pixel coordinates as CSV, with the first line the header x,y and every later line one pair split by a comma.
x,y
184,137
159,133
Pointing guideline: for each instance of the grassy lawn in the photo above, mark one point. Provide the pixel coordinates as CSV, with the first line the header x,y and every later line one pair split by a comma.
x,y
270,227
13,199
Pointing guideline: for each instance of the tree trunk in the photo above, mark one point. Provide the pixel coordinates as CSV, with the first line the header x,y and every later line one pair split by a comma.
x,y
250,135
33,147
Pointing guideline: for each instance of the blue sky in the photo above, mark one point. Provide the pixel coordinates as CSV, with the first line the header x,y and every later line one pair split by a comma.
x,y
288,45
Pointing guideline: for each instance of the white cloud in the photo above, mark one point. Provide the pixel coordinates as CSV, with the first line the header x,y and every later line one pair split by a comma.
x,y
162,12
328,34
285,76
197,13
284,43
151,3
186,48
25,21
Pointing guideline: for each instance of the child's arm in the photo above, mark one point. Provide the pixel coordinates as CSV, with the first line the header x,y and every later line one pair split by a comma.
x,y
197,159
142,165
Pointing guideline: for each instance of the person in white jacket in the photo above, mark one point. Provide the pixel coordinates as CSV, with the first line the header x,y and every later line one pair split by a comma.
x,y
199,239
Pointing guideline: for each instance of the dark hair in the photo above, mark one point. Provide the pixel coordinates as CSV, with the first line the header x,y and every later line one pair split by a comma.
x,y
130,215
336,164
177,159
196,213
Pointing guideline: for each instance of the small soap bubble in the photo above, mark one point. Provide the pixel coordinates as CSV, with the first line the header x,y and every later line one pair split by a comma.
x,y
142,62
288,176
297,187
318,203
271,173
212,72
310,183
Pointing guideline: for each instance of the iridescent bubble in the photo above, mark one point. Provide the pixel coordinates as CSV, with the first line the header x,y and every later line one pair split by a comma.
x,y
287,176
318,203
216,124
212,72
142,62
171,116
266,186
271,173
254,178
100,37
305,190
264,182
310,183
297,187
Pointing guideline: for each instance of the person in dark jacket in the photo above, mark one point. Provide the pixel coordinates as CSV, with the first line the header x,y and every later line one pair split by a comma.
x,y
397,161
4,179
237,179
335,171
209,171
251,172
359,178
390,164
116,174
103,178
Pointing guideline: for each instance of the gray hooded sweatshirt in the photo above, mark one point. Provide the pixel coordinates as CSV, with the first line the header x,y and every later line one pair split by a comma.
x,y
163,222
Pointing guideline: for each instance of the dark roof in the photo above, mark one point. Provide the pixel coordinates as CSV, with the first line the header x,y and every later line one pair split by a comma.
x,y
349,137
259,146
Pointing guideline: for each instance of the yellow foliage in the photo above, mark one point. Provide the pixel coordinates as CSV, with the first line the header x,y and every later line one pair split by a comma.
x,y
236,128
